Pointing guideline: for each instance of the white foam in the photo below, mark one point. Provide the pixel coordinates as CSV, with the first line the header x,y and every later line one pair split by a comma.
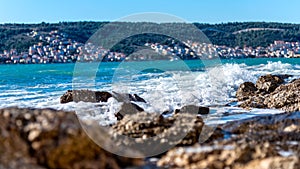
x,y
276,68
216,86
163,91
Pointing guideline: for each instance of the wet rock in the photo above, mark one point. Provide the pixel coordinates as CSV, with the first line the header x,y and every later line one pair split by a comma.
x,y
192,109
125,97
97,96
128,108
245,90
32,138
269,83
119,116
136,98
67,97
85,96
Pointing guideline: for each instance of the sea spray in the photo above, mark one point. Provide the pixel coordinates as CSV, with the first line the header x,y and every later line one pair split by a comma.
x,y
163,91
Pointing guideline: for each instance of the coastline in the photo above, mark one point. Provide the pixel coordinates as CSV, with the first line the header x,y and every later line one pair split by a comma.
x,y
223,60
150,85
46,138
247,143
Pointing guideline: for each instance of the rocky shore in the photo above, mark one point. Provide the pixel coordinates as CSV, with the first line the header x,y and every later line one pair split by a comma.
x,y
270,91
34,138
269,142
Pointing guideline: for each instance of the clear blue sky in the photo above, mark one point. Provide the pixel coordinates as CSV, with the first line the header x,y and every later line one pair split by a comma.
x,y
208,11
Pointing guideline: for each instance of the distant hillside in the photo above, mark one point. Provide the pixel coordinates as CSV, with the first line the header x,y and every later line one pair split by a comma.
x,y
250,33
13,36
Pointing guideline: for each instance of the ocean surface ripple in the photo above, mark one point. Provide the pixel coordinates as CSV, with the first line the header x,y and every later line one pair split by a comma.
x,y
168,88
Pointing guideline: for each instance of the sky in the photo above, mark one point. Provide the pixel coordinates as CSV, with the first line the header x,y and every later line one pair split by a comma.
x,y
203,11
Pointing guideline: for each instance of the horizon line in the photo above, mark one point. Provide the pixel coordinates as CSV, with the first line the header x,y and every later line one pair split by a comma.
x,y
191,22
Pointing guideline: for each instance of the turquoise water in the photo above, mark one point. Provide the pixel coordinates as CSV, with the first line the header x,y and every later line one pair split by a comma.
x,y
20,76
161,83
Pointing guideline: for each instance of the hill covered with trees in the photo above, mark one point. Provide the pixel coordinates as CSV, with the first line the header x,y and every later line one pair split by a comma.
x,y
14,36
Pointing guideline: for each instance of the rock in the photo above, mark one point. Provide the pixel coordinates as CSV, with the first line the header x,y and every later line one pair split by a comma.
x,y
181,129
219,156
271,94
272,162
50,139
245,90
137,98
269,83
254,102
97,96
125,97
192,109
292,128
260,142
276,123
285,97
85,96
67,97
128,108
212,134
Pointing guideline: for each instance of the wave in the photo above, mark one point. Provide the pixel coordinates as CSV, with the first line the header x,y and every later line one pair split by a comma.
x,y
169,90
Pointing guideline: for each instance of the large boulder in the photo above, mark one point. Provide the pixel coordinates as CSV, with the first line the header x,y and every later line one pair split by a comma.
x,y
128,106
85,96
50,139
180,129
98,96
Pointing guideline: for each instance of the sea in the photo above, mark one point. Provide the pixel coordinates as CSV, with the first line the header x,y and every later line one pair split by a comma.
x,y
165,85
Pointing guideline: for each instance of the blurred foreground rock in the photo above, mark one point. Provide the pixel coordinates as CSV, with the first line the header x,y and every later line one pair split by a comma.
x,y
32,138
151,132
263,142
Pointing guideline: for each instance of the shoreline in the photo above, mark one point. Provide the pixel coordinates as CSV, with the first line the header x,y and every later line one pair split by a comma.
x,y
234,60
244,143
47,138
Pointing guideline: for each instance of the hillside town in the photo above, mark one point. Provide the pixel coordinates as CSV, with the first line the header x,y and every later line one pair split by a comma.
x,y
278,49
56,47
